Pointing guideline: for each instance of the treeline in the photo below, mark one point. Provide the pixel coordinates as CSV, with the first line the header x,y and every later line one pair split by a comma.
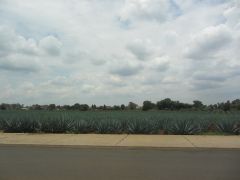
x,y
165,104
168,104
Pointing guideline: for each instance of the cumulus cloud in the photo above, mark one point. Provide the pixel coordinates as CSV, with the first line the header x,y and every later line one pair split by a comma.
x,y
214,77
51,45
19,63
12,42
126,69
210,77
160,64
232,15
17,53
7,37
119,51
140,48
205,44
159,10
115,81
21,54
206,85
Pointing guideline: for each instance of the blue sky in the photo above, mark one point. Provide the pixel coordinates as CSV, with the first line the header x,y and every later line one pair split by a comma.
x,y
113,52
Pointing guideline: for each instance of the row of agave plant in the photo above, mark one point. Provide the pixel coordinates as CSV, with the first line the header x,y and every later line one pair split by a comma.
x,y
65,124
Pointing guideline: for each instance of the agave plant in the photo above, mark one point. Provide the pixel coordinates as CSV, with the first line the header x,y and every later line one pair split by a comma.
x,y
134,122
11,125
1,124
139,127
20,126
60,125
229,127
83,126
206,126
29,126
183,127
109,127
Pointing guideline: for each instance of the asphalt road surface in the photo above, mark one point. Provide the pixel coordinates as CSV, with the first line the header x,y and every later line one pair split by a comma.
x,y
65,163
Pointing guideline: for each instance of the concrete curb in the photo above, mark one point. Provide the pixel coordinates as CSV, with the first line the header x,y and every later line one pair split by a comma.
x,y
121,141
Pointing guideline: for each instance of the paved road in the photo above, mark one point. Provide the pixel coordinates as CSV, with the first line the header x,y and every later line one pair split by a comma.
x,y
52,163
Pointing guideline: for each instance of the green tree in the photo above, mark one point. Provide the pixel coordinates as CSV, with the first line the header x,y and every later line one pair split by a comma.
x,y
236,104
197,104
83,107
115,107
147,105
227,106
132,106
3,106
76,106
165,104
51,107
123,107
66,107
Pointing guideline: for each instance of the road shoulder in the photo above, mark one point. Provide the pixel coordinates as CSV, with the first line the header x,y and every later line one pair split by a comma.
x,y
122,140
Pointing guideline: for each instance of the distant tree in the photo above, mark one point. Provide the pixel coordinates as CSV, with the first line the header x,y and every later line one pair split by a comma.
x,y
3,106
236,101
132,106
115,107
227,106
51,107
36,107
165,104
76,106
67,107
147,105
104,107
94,107
15,106
123,107
211,107
197,104
236,104
83,107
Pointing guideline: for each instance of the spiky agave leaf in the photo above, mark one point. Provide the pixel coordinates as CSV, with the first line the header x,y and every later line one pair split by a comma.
x,y
228,126
183,127
109,127
20,125
139,126
205,126
11,125
57,125
29,126
166,125
1,123
83,126
157,126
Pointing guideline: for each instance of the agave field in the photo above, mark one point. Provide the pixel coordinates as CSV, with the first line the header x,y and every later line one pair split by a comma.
x,y
117,122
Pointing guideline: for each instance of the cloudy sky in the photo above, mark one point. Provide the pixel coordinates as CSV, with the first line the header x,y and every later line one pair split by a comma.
x,y
116,51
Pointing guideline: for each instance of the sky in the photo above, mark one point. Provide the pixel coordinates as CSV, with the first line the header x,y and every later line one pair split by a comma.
x,y
117,51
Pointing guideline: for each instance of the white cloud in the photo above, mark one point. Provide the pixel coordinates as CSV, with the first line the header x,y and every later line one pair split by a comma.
x,y
51,45
160,64
11,42
232,15
142,49
206,85
127,68
205,44
118,51
159,10
17,53
19,63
